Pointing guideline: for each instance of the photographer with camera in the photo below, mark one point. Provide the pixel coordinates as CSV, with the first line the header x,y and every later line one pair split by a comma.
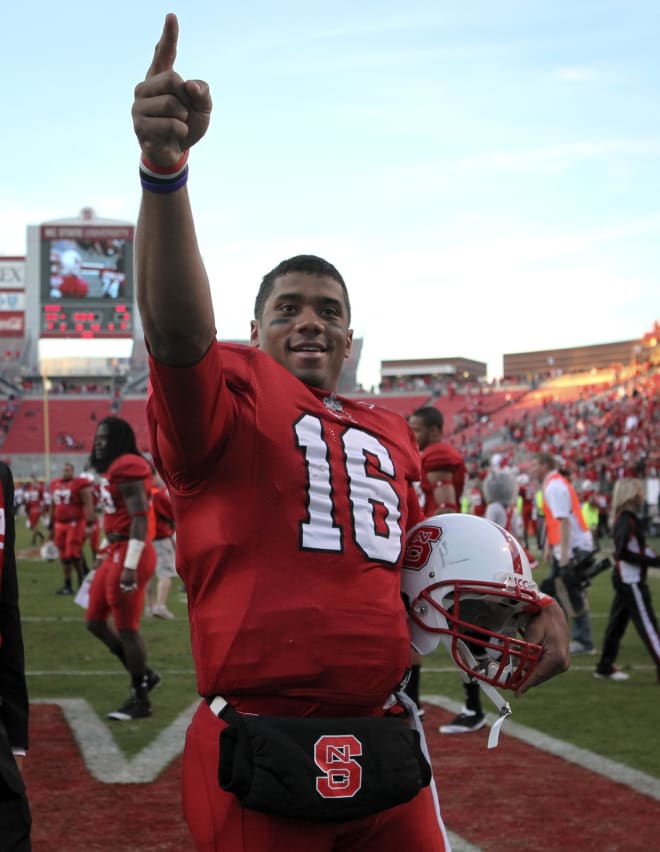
x,y
632,596
568,542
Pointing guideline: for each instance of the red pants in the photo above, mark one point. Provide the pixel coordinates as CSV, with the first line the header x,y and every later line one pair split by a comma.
x,y
219,824
106,597
69,537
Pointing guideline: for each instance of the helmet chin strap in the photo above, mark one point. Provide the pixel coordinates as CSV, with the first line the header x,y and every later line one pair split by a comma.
x,y
503,707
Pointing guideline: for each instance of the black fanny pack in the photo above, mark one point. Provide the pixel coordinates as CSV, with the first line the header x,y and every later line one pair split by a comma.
x,y
324,770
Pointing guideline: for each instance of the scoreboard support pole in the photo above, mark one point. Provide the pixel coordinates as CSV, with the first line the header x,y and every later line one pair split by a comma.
x,y
45,383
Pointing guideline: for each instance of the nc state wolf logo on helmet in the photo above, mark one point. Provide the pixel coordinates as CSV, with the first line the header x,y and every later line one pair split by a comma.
x,y
420,546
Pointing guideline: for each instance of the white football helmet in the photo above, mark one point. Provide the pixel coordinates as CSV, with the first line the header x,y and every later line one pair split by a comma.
x,y
49,551
71,262
467,583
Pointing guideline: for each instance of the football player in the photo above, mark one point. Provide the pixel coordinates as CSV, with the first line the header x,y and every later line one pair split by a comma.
x,y
71,514
291,507
127,561
442,483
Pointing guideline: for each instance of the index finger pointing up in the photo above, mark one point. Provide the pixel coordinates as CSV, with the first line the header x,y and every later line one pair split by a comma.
x,y
165,52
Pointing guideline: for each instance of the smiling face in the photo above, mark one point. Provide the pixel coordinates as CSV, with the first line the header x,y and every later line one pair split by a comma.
x,y
304,327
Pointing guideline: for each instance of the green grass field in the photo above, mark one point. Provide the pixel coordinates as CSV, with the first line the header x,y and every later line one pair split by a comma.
x,y
616,720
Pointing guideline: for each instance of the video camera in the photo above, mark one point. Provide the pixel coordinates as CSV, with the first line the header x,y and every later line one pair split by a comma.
x,y
581,570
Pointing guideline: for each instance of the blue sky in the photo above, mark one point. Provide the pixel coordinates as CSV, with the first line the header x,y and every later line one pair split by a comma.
x,y
484,175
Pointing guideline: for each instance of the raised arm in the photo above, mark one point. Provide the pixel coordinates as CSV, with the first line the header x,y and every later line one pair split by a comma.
x,y
169,116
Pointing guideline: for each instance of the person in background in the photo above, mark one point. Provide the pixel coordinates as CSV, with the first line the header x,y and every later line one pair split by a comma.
x,y
500,488
526,508
159,586
34,506
15,817
632,595
441,485
72,514
127,562
567,538
540,518
590,513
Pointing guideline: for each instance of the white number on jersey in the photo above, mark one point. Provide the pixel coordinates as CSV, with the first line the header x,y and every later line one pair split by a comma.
x,y
365,492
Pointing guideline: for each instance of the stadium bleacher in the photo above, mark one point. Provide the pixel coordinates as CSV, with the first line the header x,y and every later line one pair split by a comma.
x,y
514,420
401,403
71,424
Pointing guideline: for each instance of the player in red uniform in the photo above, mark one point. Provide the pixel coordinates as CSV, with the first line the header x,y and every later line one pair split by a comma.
x,y
128,561
443,468
72,512
33,497
291,507
442,483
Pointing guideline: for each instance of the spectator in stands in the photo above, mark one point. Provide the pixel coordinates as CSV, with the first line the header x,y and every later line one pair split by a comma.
x,y
567,538
632,595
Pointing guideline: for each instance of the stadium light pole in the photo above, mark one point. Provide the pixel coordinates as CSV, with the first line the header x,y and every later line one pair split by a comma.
x,y
46,385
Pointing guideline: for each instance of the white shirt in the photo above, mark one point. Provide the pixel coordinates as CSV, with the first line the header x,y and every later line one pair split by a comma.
x,y
558,498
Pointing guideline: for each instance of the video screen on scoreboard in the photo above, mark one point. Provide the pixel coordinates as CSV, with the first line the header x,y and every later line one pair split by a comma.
x,y
86,281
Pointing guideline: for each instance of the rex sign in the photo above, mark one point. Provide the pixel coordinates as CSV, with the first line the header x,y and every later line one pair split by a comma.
x,y
12,296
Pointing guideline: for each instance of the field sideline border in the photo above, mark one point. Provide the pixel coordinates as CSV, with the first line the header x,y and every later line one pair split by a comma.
x,y
106,762
647,785
639,781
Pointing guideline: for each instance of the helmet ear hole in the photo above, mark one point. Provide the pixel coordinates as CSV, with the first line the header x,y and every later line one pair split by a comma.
x,y
467,578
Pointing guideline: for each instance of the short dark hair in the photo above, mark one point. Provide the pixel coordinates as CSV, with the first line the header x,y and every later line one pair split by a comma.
x,y
310,264
430,416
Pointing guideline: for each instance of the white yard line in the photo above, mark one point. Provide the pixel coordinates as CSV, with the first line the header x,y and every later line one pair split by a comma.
x,y
619,772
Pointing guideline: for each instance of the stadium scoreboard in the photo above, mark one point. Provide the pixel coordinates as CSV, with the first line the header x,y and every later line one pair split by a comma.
x,y
86,281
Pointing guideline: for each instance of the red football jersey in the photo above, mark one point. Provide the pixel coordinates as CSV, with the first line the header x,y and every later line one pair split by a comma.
x,y
291,508
73,287
67,503
125,468
33,497
441,456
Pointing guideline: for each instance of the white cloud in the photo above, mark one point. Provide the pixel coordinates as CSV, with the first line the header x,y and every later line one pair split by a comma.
x,y
555,159
576,74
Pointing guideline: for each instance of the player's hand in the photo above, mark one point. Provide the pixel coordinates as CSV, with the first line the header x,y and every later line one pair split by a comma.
x,y
549,629
170,114
128,580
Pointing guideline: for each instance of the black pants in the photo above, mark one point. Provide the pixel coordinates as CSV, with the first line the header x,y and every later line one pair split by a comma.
x,y
15,820
632,602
